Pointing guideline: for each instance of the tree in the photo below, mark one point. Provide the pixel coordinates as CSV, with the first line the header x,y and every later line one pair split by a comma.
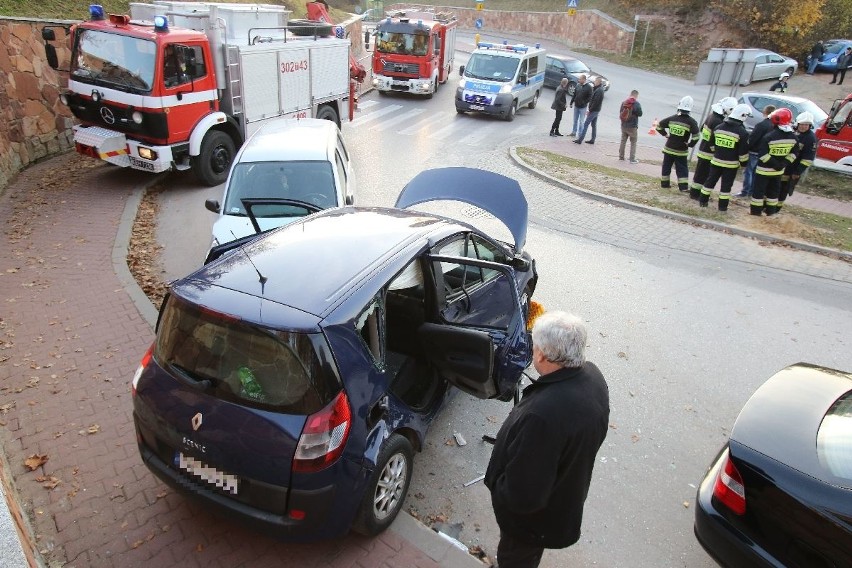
x,y
781,26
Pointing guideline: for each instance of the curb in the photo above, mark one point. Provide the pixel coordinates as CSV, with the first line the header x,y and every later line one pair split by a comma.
x,y
704,223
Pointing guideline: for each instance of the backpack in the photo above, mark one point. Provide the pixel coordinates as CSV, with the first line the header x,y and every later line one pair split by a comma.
x,y
626,110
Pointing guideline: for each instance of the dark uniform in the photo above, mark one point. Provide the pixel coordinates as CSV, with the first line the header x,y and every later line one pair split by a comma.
x,y
805,154
704,154
775,152
682,133
730,151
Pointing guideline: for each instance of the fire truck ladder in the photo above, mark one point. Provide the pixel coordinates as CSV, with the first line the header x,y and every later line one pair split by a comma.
x,y
235,80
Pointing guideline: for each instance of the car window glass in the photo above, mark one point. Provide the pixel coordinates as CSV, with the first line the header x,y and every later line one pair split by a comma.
x,y
370,328
460,279
308,181
341,147
577,66
834,438
341,170
477,296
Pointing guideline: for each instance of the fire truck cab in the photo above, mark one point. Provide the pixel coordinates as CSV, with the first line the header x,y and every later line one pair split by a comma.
x,y
834,137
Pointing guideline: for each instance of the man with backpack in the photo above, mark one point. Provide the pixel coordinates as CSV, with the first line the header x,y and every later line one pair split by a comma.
x,y
629,115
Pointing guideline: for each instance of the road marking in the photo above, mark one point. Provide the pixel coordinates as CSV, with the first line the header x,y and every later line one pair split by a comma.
x,y
375,114
432,120
385,124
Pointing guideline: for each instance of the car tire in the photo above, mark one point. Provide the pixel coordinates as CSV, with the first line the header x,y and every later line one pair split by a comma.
x,y
513,109
213,162
309,28
533,102
326,112
790,70
387,487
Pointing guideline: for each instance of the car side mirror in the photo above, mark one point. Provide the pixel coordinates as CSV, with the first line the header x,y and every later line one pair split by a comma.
x,y
50,55
461,70
522,78
212,205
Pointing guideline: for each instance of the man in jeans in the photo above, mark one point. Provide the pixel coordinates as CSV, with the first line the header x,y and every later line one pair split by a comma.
x,y
844,61
760,130
594,109
581,97
632,110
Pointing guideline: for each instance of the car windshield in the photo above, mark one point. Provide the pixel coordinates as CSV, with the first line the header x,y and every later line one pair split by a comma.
x,y
402,43
308,181
491,67
244,363
576,66
119,60
834,438
836,47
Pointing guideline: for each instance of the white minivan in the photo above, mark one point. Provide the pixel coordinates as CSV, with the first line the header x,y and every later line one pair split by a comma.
x,y
289,168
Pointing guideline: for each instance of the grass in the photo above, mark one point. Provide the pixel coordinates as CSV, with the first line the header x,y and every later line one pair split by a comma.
x,y
815,227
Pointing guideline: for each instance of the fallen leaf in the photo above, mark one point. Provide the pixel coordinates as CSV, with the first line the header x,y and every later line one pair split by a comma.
x,y
94,429
35,461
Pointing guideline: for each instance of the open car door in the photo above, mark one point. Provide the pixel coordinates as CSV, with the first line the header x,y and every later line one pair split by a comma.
x,y
479,343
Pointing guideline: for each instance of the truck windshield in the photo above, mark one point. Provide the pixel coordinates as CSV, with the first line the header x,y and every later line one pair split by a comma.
x,y
491,67
118,60
402,43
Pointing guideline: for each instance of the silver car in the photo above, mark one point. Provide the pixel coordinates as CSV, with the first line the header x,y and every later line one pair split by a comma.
x,y
770,65
758,101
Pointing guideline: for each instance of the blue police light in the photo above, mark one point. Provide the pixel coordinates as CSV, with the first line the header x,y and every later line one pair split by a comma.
x,y
538,46
161,24
96,11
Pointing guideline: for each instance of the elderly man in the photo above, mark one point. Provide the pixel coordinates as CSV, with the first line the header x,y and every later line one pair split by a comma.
x,y
541,467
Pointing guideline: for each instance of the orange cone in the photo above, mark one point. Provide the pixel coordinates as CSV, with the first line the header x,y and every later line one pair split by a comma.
x,y
653,130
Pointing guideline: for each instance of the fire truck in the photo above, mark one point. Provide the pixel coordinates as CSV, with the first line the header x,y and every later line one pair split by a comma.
x,y
414,51
834,137
180,85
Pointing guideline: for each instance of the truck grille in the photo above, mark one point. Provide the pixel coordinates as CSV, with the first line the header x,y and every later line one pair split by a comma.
x,y
404,68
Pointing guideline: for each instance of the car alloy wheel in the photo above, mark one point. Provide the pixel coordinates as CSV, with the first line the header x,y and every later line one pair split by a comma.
x,y
387,487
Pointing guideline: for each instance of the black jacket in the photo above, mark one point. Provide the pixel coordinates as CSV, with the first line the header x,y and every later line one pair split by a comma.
x,y
759,131
582,95
541,466
681,132
560,100
705,148
730,144
596,101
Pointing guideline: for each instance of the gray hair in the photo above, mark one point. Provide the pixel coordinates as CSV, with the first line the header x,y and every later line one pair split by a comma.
x,y
561,338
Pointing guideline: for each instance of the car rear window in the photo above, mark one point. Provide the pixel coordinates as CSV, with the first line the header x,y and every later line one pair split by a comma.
x,y
834,438
259,367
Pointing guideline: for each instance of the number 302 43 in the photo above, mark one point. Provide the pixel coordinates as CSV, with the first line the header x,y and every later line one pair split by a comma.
x,y
293,66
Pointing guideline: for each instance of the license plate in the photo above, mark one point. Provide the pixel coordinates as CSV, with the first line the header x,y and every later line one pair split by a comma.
x,y
141,164
477,107
197,468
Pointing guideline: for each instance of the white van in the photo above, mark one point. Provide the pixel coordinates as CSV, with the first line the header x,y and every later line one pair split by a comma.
x,y
499,78
289,168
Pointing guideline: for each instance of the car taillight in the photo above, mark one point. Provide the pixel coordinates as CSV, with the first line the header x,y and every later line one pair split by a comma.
x,y
146,358
729,488
323,436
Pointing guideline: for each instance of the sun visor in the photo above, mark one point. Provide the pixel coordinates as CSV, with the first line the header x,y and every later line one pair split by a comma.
x,y
497,194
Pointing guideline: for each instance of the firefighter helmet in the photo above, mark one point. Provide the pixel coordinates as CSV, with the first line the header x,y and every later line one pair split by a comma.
x,y
728,104
783,76
805,118
740,112
783,119
685,104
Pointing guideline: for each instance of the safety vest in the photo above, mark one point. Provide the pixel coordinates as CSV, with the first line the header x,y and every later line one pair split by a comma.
x,y
705,147
730,144
682,129
775,152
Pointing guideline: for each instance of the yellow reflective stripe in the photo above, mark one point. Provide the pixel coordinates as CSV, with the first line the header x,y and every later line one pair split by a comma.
x,y
668,150
807,163
767,172
725,163
704,155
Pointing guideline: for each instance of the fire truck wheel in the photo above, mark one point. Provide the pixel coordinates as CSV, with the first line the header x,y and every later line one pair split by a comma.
x,y
213,163
510,116
328,113
533,102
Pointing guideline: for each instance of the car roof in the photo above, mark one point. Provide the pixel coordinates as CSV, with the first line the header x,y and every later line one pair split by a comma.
x,y
347,247
561,57
789,98
290,139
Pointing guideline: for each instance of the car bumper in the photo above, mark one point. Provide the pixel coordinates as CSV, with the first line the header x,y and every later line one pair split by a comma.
x,y
501,106
403,85
720,538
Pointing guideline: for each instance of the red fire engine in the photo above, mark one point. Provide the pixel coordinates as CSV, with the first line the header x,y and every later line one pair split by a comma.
x,y
179,85
414,52
834,137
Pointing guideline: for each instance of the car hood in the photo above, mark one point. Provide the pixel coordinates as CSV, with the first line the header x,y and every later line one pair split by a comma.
x,y
232,227
497,194
782,418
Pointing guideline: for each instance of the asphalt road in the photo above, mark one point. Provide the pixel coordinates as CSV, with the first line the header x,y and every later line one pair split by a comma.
x,y
684,322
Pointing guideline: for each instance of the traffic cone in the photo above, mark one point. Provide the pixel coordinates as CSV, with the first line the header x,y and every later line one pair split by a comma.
x,y
653,130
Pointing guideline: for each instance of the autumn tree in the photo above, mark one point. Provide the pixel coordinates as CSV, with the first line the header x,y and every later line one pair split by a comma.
x,y
782,26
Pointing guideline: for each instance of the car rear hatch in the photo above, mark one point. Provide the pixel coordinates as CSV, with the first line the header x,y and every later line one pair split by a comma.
x,y
222,402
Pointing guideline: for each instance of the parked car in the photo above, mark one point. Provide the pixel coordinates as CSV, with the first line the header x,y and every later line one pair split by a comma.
x,y
833,49
797,105
292,380
769,65
780,491
559,66
297,166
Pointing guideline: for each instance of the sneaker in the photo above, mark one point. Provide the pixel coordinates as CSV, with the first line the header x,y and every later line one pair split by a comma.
x,y
573,134
590,141
621,158
559,134
743,194
634,161
577,141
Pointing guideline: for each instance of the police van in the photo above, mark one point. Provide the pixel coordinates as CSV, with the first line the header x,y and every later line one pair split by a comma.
x,y
499,78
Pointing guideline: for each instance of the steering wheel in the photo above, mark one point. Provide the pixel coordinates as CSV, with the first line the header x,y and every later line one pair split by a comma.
x,y
317,199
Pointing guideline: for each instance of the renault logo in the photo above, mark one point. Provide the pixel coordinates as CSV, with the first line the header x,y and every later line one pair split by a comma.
x,y
196,421
107,116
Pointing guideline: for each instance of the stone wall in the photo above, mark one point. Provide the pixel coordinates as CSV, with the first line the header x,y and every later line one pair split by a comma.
x,y
589,29
34,124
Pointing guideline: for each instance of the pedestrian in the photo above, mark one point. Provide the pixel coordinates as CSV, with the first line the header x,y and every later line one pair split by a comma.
x,y
844,61
718,112
776,151
805,154
592,112
541,467
759,131
579,100
781,84
681,132
817,51
629,114
560,104
730,151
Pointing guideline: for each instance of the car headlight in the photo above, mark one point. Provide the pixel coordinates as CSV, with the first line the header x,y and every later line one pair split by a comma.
x,y
462,83
506,89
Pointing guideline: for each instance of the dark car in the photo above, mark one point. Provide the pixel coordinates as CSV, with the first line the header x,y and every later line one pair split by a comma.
x,y
292,379
780,491
560,66
834,48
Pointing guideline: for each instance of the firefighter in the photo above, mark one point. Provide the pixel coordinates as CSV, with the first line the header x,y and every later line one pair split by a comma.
x,y
718,113
775,151
805,154
730,151
682,133
781,84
